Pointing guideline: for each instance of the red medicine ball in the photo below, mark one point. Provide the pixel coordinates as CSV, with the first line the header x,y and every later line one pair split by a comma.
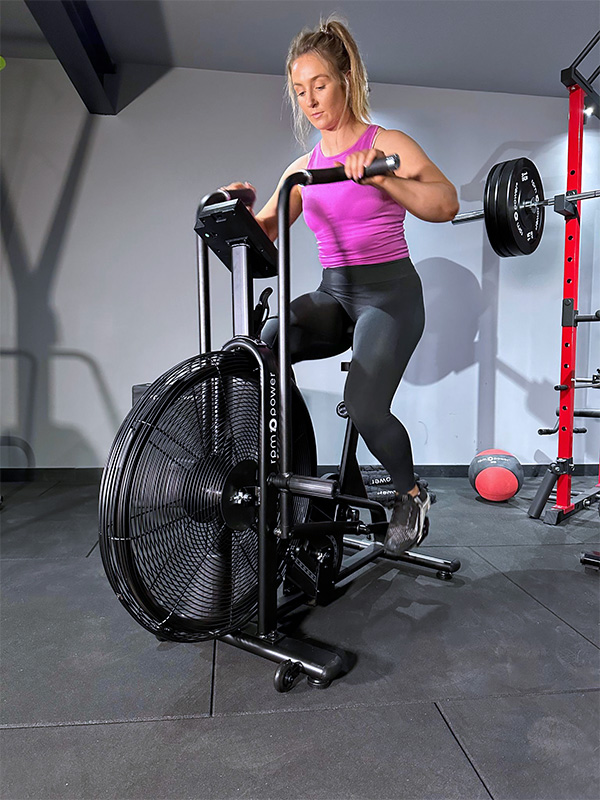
x,y
496,475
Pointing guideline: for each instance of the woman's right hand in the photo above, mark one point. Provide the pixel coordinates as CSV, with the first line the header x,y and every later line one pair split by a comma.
x,y
240,185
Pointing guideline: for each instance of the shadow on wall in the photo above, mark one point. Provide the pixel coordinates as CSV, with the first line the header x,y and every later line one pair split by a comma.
x,y
460,331
33,432
65,442
474,190
36,330
454,305
462,318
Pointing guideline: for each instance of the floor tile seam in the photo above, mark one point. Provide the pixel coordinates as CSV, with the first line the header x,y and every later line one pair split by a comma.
x,y
577,540
530,544
54,485
465,750
42,558
213,680
543,605
11,726
69,526
94,546
414,702
522,695
207,715
304,710
18,525
82,510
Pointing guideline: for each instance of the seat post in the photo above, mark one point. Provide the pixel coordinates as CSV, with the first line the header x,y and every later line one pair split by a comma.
x,y
351,481
350,477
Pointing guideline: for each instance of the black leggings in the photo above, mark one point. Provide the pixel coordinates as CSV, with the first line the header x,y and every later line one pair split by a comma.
x,y
376,309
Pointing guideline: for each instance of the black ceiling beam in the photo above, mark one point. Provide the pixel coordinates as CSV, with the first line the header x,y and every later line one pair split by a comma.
x,y
70,29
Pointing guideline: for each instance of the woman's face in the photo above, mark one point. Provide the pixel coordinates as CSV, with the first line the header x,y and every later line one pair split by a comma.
x,y
319,94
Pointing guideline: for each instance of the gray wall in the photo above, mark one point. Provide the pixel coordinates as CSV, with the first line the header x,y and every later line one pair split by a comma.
x,y
98,252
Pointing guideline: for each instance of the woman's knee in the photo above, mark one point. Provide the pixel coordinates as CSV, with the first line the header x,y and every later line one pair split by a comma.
x,y
365,413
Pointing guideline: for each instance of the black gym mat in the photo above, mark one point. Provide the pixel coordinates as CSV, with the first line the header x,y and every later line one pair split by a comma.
x,y
553,576
484,686
71,654
375,752
48,520
416,637
538,747
461,517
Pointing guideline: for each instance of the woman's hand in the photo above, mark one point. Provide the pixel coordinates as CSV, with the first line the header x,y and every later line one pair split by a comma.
x,y
239,185
355,166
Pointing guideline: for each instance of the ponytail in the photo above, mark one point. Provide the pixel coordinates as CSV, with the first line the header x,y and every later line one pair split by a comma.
x,y
334,43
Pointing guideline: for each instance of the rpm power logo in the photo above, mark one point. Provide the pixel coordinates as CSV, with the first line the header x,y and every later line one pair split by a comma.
x,y
273,421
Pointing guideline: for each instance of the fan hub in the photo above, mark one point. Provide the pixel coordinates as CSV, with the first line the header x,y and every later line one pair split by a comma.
x,y
239,497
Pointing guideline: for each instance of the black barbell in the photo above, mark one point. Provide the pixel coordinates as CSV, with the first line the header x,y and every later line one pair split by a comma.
x,y
514,205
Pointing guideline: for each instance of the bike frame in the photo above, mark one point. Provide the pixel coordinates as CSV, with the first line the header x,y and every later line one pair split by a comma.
x,y
277,484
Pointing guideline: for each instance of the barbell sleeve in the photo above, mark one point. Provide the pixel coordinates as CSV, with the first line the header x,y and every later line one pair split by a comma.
x,y
572,198
583,195
468,216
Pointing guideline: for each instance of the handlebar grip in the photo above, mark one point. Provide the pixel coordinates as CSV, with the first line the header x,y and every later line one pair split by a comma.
x,y
381,166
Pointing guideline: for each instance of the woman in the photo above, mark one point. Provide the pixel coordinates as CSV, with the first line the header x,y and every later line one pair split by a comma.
x,y
370,297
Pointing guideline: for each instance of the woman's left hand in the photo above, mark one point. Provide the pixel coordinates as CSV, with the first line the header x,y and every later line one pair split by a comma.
x,y
355,166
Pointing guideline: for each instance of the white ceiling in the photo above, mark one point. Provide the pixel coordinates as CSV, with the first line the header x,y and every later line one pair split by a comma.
x,y
515,46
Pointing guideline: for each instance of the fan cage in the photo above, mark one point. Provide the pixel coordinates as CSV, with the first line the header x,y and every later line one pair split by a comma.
x,y
180,563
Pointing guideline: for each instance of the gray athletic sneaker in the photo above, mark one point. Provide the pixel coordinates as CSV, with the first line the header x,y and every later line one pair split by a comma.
x,y
409,524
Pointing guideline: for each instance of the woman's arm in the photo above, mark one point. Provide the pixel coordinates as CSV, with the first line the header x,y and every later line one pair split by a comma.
x,y
418,184
267,216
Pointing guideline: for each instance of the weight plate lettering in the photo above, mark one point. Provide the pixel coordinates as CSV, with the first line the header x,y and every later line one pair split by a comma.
x,y
513,227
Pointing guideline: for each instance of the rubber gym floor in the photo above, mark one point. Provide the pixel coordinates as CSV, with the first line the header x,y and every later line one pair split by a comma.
x,y
482,687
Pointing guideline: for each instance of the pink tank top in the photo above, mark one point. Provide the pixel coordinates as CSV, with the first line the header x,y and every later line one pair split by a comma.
x,y
353,224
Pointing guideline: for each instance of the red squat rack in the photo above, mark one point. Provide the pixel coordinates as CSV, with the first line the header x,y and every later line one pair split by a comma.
x,y
582,100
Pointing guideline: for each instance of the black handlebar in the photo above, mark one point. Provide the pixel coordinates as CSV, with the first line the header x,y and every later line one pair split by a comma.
x,y
307,177
381,166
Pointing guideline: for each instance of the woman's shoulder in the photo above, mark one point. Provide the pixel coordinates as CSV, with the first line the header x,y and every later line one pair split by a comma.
x,y
391,135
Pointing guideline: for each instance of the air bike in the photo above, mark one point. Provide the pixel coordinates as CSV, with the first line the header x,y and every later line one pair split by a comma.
x,y
212,522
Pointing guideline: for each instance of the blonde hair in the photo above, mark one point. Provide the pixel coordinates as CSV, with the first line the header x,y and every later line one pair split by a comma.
x,y
334,43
